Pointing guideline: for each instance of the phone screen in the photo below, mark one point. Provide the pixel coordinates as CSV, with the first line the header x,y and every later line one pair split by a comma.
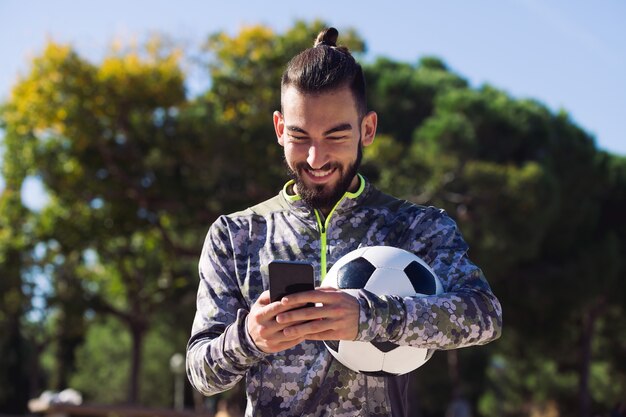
x,y
288,277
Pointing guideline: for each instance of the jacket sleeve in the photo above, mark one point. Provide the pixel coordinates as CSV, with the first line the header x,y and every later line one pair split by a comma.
x,y
466,313
220,350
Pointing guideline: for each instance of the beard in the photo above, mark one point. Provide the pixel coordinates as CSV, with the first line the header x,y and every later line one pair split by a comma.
x,y
325,196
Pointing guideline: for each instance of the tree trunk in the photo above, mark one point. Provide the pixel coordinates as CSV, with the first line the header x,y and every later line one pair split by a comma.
x,y
137,330
61,374
35,368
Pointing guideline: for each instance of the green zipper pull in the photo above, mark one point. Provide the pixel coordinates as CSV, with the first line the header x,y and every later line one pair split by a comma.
x,y
322,229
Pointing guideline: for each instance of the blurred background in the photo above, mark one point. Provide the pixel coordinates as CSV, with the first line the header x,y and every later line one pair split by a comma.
x,y
127,128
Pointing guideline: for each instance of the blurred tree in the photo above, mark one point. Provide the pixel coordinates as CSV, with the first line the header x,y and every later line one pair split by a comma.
x,y
136,171
107,342
15,349
133,167
404,94
92,134
529,190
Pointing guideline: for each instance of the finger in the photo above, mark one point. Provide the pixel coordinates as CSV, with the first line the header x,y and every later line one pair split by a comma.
x,y
270,333
288,344
315,296
327,289
269,312
305,314
278,336
308,328
328,335
319,331
291,305
277,343
264,298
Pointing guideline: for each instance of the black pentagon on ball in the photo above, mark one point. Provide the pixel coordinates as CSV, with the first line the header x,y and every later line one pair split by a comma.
x,y
421,278
354,274
332,344
384,346
377,373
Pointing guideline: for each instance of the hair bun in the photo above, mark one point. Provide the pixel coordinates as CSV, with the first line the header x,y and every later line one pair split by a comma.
x,y
327,37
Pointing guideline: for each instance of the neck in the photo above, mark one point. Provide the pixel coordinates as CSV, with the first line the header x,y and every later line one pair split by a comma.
x,y
354,185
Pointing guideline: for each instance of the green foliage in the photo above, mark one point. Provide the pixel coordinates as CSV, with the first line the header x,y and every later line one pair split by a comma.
x,y
404,94
531,194
92,133
136,171
16,351
103,363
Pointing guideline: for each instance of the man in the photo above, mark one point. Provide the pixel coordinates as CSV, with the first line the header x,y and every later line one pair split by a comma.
x,y
324,212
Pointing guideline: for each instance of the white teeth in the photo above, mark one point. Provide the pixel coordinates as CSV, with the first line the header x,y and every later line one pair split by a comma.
x,y
317,173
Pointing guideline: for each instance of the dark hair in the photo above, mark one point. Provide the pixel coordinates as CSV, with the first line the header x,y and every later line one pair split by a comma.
x,y
326,67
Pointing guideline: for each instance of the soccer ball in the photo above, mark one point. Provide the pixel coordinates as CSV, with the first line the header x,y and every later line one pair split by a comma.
x,y
383,270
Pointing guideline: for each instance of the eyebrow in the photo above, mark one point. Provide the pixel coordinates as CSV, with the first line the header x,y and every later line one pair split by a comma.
x,y
339,128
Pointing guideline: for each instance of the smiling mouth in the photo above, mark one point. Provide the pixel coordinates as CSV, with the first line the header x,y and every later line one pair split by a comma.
x,y
319,173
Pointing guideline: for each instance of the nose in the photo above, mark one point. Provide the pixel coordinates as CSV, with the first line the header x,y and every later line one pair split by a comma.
x,y
318,156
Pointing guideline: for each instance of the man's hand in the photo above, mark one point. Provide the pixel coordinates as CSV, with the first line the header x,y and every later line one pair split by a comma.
x,y
267,334
280,325
336,319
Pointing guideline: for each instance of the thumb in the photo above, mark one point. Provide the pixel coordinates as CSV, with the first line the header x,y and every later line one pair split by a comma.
x,y
264,299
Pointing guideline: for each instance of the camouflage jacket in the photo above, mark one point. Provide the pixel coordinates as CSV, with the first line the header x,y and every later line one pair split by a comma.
x,y
305,380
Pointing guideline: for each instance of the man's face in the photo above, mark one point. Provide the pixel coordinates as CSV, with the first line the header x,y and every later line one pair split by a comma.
x,y
322,136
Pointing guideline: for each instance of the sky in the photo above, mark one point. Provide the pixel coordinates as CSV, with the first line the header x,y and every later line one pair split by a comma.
x,y
568,54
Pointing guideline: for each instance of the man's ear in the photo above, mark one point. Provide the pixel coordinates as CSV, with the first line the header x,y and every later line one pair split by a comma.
x,y
279,126
368,128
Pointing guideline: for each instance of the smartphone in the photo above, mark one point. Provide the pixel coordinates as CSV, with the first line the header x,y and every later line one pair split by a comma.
x,y
288,277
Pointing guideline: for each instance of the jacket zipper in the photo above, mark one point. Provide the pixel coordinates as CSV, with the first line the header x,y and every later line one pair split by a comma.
x,y
323,227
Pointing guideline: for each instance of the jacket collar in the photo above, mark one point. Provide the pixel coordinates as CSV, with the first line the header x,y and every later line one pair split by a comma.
x,y
347,202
